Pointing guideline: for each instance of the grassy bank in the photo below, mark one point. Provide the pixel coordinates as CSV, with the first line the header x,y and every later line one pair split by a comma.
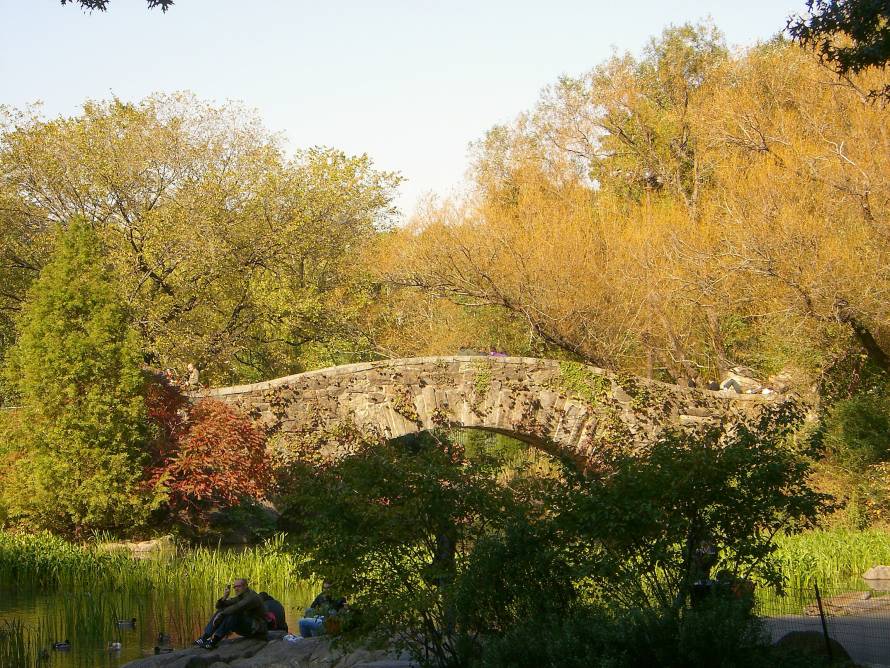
x,y
46,562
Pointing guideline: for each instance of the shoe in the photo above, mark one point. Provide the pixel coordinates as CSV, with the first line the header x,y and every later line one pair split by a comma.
x,y
200,642
213,643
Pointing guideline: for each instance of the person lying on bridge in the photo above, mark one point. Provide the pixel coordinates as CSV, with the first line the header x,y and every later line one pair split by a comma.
x,y
243,614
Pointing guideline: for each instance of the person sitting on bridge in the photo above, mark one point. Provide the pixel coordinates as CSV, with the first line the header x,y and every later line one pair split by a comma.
x,y
243,614
730,384
313,622
193,381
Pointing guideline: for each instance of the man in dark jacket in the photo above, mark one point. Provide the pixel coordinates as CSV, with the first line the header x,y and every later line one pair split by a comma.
x,y
243,614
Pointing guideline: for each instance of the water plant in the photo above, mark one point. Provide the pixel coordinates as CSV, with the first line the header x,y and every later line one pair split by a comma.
x,y
46,562
42,560
828,556
17,644
79,592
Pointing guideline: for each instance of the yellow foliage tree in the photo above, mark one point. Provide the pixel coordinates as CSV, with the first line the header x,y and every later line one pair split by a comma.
x,y
678,214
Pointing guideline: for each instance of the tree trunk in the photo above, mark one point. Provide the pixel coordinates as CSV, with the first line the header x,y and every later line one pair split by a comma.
x,y
875,353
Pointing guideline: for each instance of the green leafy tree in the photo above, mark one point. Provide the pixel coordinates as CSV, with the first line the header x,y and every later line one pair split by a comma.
x,y
850,35
229,254
854,434
644,525
409,531
22,253
76,370
857,432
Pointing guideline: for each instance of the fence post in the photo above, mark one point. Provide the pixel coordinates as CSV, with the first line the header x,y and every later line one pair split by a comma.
x,y
824,626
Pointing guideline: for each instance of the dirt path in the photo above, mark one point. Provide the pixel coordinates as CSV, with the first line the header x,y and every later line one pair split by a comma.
x,y
866,638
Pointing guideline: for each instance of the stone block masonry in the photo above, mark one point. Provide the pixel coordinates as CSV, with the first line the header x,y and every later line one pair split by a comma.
x,y
554,405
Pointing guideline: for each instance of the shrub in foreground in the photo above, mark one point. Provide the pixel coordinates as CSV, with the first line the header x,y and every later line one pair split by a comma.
x,y
218,463
719,632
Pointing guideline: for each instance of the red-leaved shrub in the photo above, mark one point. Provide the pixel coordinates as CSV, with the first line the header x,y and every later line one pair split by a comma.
x,y
167,410
210,457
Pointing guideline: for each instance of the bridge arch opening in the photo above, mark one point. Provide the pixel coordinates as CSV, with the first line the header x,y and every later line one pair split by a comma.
x,y
514,457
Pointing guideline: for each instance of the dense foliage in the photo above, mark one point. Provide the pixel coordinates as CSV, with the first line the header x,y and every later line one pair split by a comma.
x,y
230,255
677,214
218,462
394,524
720,632
640,524
77,460
436,550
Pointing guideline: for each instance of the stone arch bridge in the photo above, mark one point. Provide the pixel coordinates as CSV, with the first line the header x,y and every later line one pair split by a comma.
x,y
553,405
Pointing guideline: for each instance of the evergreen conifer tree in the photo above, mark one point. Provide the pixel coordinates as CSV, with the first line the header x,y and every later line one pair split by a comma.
x,y
76,368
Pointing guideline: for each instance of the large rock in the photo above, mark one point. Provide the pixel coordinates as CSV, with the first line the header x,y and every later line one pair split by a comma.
x,y
812,643
878,578
197,657
142,549
276,653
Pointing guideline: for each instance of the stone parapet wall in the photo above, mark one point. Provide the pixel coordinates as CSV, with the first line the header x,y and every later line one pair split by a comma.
x,y
551,404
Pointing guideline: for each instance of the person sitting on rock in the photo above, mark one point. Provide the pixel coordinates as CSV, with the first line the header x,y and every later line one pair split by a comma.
x,y
244,614
313,622
275,610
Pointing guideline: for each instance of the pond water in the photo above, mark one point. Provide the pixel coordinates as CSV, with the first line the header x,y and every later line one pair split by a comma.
x,y
88,620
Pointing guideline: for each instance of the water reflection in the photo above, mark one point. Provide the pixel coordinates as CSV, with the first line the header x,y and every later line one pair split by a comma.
x,y
89,621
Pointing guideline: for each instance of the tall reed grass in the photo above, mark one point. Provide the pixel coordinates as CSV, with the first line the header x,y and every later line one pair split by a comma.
x,y
831,556
19,645
46,562
78,592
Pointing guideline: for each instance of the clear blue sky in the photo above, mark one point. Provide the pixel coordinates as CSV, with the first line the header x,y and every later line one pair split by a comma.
x,y
411,83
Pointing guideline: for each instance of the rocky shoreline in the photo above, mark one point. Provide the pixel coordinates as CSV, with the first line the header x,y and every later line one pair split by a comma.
x,y
274,653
